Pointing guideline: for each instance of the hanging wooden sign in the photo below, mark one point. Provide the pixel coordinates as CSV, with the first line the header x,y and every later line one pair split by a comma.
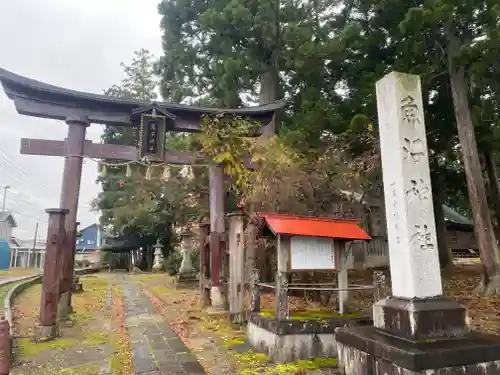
x,y
151,137
152,126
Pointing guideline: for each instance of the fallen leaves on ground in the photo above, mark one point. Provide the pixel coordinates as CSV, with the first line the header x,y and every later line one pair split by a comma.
x,y
121,362
93,336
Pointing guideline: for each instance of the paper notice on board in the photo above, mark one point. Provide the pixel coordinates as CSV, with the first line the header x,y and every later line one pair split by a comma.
x,y
312,253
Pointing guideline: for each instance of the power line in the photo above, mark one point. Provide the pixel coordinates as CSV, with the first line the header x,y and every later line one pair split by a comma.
x,y
19,168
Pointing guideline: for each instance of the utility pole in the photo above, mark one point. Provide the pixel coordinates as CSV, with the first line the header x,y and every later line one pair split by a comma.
x,y
34,245
5,188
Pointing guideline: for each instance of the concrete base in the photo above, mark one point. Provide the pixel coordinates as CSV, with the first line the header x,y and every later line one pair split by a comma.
x,y
46,333
291,340
420,320
291,347
367,351
63,308
216,298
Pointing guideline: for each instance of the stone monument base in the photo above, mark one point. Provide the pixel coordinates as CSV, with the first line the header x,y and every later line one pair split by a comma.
x,y
417,337
367,351
291,340
46,333
187,280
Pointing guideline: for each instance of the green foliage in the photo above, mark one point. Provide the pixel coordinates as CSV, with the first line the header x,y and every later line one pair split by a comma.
x,y
226,140
148,209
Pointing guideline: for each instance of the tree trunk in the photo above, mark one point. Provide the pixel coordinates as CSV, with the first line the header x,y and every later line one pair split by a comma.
x,y
443,251
493,187
483,226
269,87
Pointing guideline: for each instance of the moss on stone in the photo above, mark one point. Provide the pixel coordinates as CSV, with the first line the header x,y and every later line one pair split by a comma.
x,y
234,341
257,363
311,314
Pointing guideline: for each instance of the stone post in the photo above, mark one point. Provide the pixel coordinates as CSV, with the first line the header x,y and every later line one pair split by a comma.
x,y
342,278
56,237
408,324
158,260
217,230
236,288
70,191
282,311
252,268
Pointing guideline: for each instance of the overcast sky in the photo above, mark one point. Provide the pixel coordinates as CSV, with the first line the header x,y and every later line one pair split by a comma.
x,y
72,44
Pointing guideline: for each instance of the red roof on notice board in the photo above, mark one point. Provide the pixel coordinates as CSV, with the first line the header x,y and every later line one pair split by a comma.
x,y
314,227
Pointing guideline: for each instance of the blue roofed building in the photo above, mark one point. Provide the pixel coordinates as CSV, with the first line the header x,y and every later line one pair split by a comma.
x,y
88,245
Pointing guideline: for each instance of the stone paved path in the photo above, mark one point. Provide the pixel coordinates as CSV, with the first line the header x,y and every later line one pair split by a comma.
x,y
156,349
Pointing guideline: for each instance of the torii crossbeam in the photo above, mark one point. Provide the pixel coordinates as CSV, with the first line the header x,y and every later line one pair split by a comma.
x,y
152,120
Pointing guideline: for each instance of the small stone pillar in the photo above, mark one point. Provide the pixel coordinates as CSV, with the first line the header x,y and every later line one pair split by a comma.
x,y
187,274
236,267
158,262
282,311
47,327
342,278
253,271
204,264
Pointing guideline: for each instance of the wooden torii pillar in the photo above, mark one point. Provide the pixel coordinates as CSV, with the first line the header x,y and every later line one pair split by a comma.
x,y
152,120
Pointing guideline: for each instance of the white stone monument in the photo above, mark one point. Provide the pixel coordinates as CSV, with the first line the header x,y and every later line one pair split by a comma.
x,y
416,331
411,230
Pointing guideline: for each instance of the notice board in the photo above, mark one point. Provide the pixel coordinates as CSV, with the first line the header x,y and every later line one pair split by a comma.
x,y
312,253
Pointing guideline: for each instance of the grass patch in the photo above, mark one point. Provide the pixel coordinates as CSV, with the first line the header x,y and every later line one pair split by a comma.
x,y
30,348
95,338
311,314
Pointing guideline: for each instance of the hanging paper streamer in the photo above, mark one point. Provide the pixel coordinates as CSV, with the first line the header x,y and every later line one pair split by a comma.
x,y
102,172
190,173
149,173
166,173
129,171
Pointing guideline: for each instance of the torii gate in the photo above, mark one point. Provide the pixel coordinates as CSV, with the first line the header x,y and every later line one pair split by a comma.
x,y
79,110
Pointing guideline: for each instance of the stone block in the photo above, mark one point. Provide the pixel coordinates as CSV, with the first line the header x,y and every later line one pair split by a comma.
x,y
46,333
291,340
420,319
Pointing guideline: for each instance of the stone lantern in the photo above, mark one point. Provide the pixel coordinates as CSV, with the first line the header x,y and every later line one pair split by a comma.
x,y
187,274
158,261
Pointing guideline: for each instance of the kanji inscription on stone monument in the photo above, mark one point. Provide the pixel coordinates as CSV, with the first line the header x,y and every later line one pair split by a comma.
x,y
410,215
